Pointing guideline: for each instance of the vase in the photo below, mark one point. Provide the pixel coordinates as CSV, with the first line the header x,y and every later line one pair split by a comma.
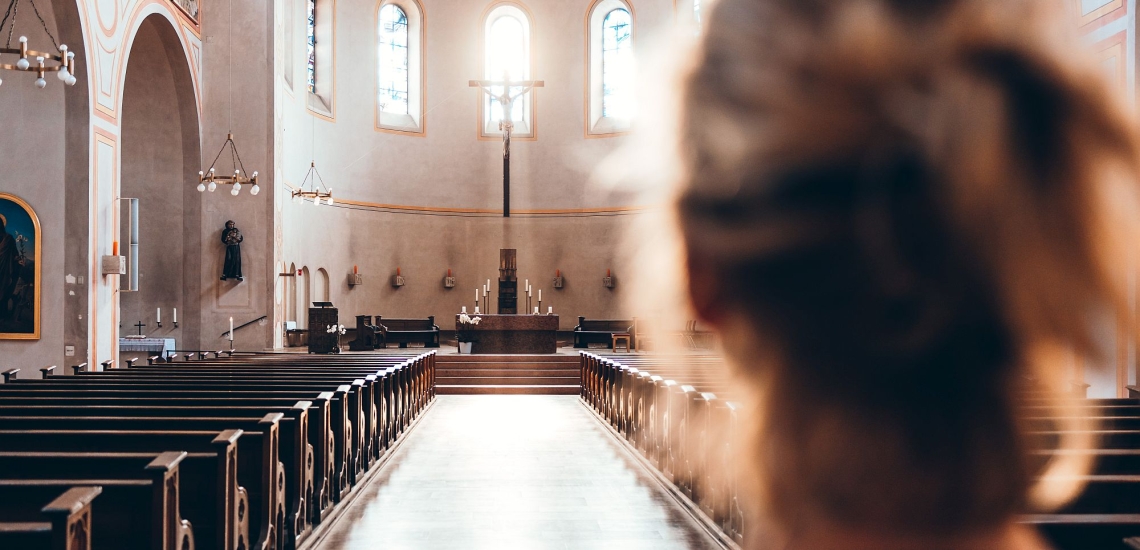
x,y
465,347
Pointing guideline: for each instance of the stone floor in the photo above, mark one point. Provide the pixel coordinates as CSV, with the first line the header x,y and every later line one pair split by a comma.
x,y
507,472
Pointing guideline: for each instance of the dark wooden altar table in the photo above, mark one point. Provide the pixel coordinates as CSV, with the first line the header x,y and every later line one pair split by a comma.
x,y
515,334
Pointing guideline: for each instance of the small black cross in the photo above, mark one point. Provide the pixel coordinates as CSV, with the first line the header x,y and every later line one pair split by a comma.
x,y
140,326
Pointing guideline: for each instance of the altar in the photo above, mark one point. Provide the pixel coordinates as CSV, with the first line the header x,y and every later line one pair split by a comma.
x,y
514,334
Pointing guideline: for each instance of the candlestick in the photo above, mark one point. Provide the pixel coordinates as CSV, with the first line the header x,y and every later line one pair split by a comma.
x,y
231,332
158,315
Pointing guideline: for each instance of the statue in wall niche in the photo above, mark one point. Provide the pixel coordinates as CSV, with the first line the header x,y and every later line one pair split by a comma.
x,y
231,237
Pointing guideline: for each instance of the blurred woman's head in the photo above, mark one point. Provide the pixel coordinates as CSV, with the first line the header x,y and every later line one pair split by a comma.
x,y
895,211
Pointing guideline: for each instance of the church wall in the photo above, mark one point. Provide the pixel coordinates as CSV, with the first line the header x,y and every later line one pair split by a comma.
x,y
33,160
160,159
237,96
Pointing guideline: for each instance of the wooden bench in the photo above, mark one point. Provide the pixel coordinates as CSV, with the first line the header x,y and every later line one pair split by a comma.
x,y
408,331
64,523
599,331
137,509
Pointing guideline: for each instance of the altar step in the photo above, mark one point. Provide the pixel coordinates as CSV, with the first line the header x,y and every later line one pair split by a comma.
x,y
508,374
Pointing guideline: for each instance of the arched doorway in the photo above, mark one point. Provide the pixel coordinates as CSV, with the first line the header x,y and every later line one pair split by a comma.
x,y
160,158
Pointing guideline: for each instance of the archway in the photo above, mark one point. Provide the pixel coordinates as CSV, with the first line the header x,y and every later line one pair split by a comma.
x,y
160,158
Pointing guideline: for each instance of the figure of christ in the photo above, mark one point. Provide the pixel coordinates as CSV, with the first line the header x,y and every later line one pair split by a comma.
x,y
231,237
506,100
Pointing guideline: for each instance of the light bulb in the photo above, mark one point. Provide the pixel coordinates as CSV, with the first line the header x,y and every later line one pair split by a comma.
x,y
316,201
23,64
1,80
201,173
254,190
41,83
330,201
235,191
212,186
71,80
62,74
201,187
211,170
237,186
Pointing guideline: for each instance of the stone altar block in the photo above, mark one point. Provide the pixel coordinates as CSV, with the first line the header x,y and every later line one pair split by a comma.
x,y
515,334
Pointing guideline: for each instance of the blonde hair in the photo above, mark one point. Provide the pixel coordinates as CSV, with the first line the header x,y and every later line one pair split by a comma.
x,y
912,205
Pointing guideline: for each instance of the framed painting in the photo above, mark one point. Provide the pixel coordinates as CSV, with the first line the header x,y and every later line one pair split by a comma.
x,y
20,267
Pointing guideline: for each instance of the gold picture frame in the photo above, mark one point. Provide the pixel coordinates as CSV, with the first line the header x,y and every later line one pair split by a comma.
x,y
17,221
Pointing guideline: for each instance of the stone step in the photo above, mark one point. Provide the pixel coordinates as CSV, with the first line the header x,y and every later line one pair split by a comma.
x,y
507,390
495,371
520,358
507,380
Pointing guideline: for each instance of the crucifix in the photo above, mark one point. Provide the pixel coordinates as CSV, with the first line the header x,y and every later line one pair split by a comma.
x,y
140,327
512,90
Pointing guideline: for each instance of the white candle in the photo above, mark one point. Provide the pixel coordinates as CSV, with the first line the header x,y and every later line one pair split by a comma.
x,y
175,315
231,330
536,310
488,284
540,294
464,309
476,295
550,310
158,315
526,284
476,310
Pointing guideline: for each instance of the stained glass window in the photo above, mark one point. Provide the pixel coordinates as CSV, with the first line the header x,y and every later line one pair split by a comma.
x,y
506,58
393,56
617,64
311,41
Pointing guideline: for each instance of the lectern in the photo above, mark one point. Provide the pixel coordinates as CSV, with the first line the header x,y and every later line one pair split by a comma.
x,y
321,316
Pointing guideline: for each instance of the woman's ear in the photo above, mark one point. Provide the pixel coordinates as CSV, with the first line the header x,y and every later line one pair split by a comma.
x,y
705,290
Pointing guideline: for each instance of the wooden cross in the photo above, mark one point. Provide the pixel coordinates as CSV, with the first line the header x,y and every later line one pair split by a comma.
x,y
512,90
140,327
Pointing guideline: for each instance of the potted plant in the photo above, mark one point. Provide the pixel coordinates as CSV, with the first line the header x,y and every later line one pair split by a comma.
x,y
338,330
464,332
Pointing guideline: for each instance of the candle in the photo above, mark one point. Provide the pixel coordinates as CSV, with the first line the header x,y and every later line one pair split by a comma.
x,y
489,284
175,315
536,310
158,315
540,294
464,309
476,310
354,271
476,295
550,310
231,331
115,248
526,284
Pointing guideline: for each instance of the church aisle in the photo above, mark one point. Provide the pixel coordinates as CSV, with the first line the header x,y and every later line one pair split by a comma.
x,y
512,472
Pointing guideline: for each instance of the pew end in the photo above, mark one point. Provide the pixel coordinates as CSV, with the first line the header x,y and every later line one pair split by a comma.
x,y
47,371
76,369
10,375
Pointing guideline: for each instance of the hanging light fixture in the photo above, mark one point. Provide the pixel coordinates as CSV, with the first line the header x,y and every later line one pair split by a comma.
x,y
311,188
63,65
209,179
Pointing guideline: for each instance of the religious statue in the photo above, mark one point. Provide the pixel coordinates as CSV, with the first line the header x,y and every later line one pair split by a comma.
x,y
231,237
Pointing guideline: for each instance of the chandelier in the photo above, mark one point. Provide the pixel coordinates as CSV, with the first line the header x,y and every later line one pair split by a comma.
x,y
311,187
63,65
209,179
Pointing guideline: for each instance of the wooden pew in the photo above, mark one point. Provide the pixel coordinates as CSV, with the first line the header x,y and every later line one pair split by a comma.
x,y
136,511
599,331
64,523
407,331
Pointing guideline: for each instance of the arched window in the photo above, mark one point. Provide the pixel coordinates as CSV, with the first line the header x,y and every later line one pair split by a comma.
x,y
609,88
393,57
617,64
289,46
311,44
320,44
399,69
506,49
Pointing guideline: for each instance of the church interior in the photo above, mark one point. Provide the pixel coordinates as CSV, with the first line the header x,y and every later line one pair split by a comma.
x,y
464,316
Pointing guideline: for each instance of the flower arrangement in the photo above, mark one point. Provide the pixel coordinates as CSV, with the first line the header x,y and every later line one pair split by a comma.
x,y
339,329
466,323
